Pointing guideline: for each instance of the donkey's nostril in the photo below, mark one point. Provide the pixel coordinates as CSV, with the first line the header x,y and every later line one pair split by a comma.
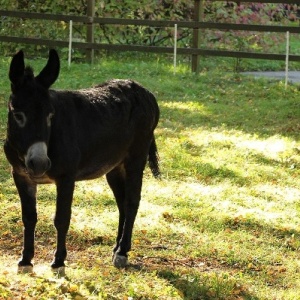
x,y
30,164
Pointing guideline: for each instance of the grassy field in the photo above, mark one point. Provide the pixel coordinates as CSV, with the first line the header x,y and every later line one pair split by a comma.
x,y
222,223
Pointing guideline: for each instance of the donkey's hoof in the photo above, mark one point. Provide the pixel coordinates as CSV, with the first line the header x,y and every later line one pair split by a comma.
x,y
60,272
25,269
120,261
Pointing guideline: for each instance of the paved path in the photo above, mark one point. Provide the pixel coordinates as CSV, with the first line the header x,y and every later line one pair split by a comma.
x,y
294,76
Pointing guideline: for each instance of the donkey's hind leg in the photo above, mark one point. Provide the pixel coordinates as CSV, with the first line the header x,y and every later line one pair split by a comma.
x,y
116,181
126,184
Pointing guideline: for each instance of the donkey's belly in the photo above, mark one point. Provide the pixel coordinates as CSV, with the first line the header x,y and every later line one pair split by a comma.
x,y
94,171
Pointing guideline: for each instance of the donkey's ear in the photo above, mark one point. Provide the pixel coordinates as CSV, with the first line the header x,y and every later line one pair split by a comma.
x,y
17,66
51,71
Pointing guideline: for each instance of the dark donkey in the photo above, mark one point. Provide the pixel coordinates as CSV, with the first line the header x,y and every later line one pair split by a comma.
x,y
64,136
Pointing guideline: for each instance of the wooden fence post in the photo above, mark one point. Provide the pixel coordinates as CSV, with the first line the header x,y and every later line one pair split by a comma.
x,y
90,30
198,17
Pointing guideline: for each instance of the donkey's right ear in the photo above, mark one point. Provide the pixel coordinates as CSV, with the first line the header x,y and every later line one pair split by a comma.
x,y
17,66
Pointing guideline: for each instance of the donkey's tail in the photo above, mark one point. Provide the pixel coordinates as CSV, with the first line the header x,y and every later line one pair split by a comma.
x,y
153,159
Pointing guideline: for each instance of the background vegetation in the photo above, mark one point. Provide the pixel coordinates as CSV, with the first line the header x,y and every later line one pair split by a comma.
x,y
222,223
214,11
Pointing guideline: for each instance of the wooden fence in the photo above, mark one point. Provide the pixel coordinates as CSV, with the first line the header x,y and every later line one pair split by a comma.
x,y
195,51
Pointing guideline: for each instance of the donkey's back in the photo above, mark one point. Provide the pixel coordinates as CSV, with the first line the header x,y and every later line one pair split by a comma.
x,y
106,124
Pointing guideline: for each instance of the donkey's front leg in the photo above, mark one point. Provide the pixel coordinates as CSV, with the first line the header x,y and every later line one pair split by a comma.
x,y
27,193
65,188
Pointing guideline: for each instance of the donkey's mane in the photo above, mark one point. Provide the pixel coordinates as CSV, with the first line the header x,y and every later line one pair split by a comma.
x,y
28,73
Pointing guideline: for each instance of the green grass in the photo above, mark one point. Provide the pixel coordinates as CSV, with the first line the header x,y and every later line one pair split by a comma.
x,y
222,223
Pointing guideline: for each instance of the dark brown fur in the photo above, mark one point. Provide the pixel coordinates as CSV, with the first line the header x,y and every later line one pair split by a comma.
x,y
107,129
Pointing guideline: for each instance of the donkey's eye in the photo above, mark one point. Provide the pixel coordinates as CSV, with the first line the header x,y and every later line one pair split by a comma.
x,y
20,118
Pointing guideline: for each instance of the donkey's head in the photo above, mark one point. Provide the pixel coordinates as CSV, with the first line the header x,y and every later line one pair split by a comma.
x,y
30,112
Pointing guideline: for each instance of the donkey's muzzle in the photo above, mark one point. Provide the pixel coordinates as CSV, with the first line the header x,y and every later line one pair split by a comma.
x,y
36,159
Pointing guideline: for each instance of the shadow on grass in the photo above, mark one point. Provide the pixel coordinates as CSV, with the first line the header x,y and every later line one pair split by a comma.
x,y
207,172
283,237
196,278
213,171
261,118
203,287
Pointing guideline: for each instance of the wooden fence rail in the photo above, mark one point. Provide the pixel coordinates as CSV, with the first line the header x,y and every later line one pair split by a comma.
x,y
195,50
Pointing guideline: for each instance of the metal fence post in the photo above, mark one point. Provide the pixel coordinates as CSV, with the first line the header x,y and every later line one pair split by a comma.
x,y
198,16
90,30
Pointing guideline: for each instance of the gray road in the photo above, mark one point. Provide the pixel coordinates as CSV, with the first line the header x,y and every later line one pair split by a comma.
x,y
294,76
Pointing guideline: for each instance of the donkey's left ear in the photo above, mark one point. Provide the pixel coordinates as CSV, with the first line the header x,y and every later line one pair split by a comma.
x,y
51,71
